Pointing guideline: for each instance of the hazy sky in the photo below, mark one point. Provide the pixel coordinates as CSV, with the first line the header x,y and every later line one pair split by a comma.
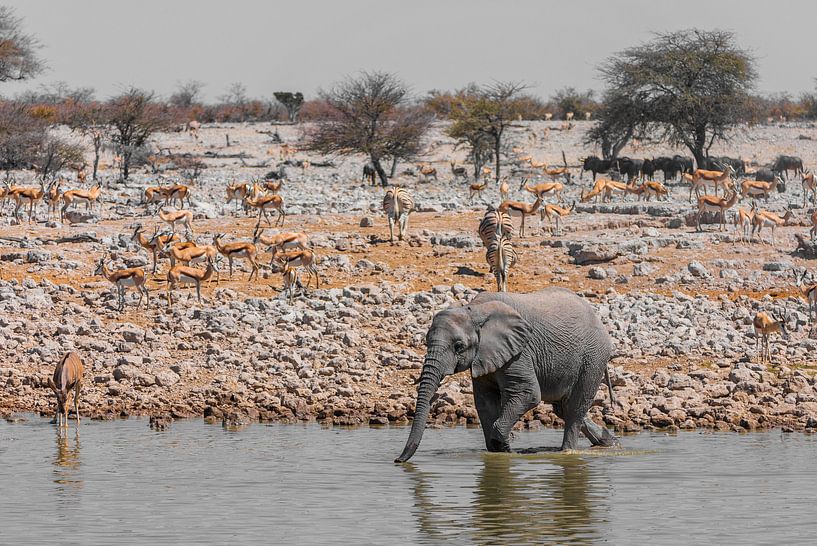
x,y
307,44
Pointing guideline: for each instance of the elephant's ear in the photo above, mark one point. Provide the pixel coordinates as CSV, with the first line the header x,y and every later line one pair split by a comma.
x,y
502,332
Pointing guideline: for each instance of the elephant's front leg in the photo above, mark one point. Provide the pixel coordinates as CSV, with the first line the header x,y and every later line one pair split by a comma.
x,y
517,400
488,400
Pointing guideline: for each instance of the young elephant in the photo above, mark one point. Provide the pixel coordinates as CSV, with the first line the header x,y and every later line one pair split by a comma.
x,y
520,348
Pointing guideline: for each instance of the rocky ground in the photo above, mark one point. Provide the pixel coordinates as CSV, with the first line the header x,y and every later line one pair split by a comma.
x,y
678,304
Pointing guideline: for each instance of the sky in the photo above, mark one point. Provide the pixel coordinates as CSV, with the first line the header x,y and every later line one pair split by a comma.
x,y
307,45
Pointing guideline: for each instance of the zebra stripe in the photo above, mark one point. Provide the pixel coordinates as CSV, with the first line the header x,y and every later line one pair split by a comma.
x,y
501,256
495,223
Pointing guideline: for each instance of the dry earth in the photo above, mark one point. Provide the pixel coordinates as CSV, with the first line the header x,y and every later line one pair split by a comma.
x,y
679,304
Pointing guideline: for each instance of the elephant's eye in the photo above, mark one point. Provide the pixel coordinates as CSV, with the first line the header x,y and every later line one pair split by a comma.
x,y
459,347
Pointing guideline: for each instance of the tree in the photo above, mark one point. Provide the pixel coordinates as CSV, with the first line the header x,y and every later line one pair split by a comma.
x,y
18,57
187,94
692,84
90,120
371,114
569,99
21,136
619,119
292,102
134,116
480,117
55,154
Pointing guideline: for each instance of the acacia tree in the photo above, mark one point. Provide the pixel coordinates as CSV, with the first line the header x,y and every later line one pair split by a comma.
x,y
134,116
371,114
480,116
691,84
619,119
292,102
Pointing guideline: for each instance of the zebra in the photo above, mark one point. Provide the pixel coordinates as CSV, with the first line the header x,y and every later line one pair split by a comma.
x,y
397,204
501,256
494,224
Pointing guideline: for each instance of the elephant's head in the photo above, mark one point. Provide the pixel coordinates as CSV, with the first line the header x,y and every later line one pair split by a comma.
x,y
483,337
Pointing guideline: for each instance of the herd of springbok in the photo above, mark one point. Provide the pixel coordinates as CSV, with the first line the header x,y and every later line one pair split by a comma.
x,y
193,263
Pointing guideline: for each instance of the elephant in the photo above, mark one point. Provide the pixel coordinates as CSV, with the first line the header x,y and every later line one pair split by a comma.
x,y
521,348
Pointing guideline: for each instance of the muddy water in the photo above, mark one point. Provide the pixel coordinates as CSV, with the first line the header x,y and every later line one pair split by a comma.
x,y
119,482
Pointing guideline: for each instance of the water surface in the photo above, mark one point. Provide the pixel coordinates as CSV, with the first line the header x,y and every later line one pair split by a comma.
x,y
119,482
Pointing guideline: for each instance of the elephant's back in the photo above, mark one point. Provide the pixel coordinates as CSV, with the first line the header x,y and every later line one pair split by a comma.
x,y
558,313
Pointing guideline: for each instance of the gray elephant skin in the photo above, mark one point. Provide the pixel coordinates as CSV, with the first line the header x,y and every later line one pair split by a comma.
x,y
521,348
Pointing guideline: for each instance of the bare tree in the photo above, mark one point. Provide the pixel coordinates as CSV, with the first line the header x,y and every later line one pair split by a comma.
x,y
18,57
480,116
56,154
134,116
187,94
292,102
90,120
370,114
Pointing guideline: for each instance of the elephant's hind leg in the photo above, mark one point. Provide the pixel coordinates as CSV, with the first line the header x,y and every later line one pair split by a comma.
x,y
598,435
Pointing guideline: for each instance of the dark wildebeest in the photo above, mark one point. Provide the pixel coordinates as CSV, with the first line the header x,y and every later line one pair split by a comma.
x,y
630,167
369,172
596,165
687,163
670,166
785,163
763,174
67,377
648,169
720,163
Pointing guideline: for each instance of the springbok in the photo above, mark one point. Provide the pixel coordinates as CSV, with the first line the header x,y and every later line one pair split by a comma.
x,y
237,250
713,203
67,377
123,279
765,325
182,274
519,209
174,217
89,197
809,187
766,218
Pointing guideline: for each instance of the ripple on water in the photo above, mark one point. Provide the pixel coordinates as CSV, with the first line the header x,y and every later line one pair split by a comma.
x,y
118,481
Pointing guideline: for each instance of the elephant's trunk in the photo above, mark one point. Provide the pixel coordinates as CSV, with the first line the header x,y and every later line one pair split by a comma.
x,y
429,382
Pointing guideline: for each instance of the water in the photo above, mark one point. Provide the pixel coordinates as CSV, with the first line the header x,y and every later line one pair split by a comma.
x,y
119,482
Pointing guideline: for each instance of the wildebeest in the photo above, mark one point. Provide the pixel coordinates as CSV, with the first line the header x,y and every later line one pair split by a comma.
x,y
764,174
648,169
670,166
596,165
369,172
720,163
630,167
785,163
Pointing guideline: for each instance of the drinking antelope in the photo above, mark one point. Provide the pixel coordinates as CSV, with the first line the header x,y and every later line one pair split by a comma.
x,y
764,327
67,377
398,204
237,250
123,279
182,274
173,217
650,189
89,197
712,203
763,218
520,209
501,256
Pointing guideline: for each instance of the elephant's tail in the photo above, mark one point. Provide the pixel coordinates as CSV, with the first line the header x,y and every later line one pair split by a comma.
x,y
609,385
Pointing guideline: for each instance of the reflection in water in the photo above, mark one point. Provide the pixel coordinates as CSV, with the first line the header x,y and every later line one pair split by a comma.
x,y
67,461
517,500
